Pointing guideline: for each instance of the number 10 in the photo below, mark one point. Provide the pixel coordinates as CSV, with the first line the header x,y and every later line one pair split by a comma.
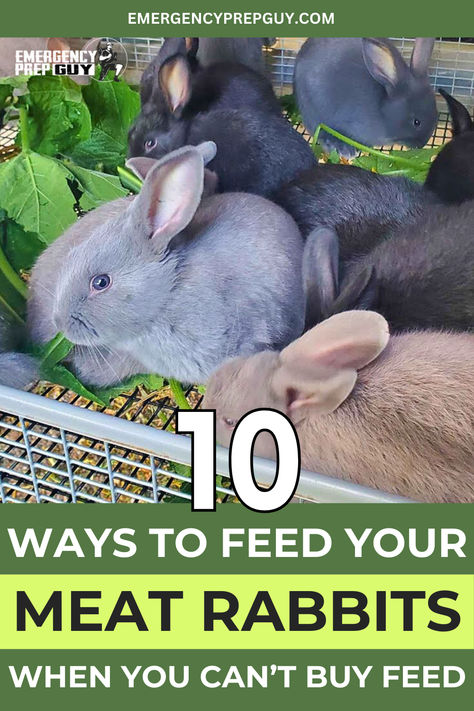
x,y
201,424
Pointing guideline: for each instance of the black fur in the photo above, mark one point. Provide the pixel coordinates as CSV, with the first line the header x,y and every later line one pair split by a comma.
x,y
361,206
451,175
257,148
422,276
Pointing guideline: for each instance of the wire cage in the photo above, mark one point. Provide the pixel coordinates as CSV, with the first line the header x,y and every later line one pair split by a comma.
x,y
57,447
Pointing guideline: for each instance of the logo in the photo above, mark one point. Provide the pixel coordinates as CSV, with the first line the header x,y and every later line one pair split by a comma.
x,y
101,58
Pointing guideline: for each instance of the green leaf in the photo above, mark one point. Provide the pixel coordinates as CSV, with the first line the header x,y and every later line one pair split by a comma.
x,y
34,192
58,119
416,163
178,394
288,104
11,300
15,82
60,375
113,107
96,187
21,248
334,157
100,151
54,351
150,382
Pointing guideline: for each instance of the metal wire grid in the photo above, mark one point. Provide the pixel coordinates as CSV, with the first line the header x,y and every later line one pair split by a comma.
x,y
42,463
452,61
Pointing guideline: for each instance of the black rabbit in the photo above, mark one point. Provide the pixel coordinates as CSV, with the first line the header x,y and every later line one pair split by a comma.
x,y
257,148
451,174
421,276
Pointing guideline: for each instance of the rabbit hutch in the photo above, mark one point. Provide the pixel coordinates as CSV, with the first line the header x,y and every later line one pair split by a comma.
x,y
58,447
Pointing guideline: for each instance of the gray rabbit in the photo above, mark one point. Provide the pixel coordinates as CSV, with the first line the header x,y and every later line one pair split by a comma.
x,y
421,276
451,175
168,282
362,88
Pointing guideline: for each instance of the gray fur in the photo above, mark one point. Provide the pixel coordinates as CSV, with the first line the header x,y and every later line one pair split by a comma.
x,y
17,370
336,82
229,283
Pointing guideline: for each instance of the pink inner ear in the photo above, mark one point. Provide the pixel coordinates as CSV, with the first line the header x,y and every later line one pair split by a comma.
x,y
347,340
171,194
168,225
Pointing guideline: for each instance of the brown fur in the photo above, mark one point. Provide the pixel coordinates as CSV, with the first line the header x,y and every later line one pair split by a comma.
x,y
406,428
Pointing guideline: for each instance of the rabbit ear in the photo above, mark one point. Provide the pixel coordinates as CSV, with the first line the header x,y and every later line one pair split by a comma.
x,y
192,46
320,274
348,340
318,371
383,61
358,291
421,55
141,166
174,79
460,117
208,150
171,195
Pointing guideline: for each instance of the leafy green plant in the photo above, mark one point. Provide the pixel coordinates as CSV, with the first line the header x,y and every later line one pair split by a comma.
x,y
412,163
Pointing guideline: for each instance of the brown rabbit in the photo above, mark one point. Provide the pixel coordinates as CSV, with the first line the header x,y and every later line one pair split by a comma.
x,y
395,414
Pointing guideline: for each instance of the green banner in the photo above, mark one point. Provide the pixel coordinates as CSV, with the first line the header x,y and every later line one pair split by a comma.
x,y
299,18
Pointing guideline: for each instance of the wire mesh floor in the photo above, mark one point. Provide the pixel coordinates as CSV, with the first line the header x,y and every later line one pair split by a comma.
x,y
40,463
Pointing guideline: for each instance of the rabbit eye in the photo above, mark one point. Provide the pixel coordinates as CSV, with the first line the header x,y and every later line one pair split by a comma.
x,y
150,144
229,422
416,122
100,282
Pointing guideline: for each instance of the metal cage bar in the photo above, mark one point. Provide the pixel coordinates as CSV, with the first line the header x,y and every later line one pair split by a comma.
x,y
22,470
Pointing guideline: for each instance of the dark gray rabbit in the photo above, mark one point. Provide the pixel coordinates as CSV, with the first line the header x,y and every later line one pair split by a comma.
x,y
361,206
422,276
168,283
17,370
258,149
222,85
363,88
451,175
246,50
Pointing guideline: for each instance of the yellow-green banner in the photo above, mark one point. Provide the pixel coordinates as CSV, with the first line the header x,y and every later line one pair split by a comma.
x,y
237,612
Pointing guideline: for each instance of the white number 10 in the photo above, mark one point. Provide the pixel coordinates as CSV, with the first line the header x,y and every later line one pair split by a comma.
x,y
201,424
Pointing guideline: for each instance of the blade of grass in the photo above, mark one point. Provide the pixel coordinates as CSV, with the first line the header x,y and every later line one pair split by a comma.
x,y
11,276
364,149
129,179
178,394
